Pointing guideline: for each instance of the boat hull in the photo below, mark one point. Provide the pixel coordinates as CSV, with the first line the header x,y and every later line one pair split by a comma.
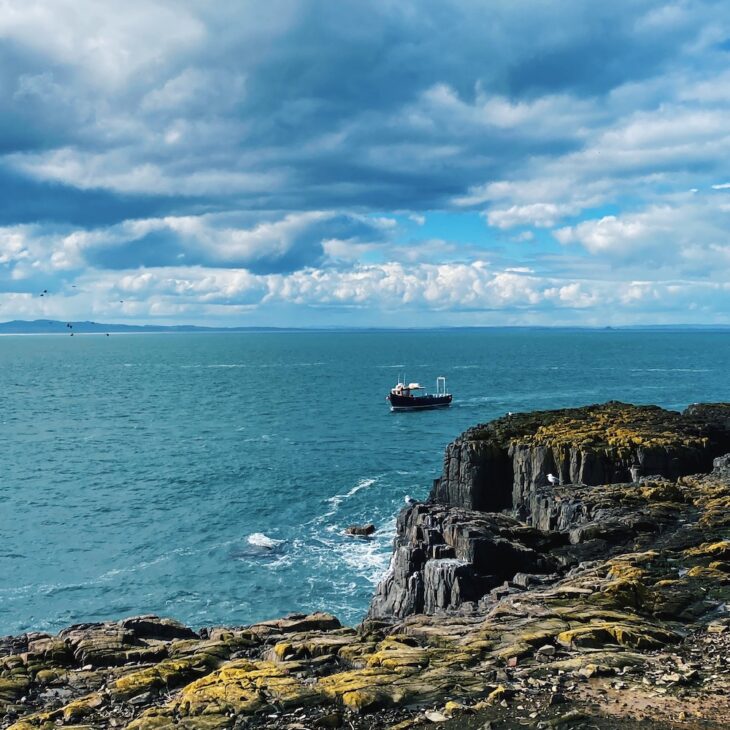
x,y
413,403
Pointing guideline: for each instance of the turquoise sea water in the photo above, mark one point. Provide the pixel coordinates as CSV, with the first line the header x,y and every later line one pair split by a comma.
x,y
139,472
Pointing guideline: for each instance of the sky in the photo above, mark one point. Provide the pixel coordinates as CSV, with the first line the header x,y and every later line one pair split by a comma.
x,y
382,163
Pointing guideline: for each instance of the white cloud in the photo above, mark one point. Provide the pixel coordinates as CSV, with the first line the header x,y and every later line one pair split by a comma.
x,y
541,215
93,37
115,171
692,234
551,116
262,156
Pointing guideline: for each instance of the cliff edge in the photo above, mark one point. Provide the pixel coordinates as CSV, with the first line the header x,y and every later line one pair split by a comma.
x,y
493,513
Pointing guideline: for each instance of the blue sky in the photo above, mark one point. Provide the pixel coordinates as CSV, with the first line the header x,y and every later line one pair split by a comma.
x,y
346,163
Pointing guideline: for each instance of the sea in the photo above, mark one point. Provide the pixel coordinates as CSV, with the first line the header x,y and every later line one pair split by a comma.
x,y
210,477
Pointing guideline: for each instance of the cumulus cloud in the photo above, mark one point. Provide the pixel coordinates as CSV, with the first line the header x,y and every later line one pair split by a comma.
x,y
232,158
689,237
291,242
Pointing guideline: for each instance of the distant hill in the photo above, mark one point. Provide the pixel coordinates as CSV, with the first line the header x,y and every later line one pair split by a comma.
x,y
50,326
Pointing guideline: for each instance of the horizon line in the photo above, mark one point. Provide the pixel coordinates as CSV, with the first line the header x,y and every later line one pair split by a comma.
x,y
186,328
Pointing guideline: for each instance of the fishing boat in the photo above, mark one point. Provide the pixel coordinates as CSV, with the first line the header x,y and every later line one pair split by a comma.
x,y
408,397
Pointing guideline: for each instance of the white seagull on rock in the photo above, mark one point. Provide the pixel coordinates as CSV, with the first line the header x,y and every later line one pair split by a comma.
x,y
410,500
553,479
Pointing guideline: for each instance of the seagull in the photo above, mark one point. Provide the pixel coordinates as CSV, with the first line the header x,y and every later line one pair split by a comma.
x,y
410,500
553,479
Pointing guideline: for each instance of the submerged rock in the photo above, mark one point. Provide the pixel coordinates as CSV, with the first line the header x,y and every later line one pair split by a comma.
x,y
360,530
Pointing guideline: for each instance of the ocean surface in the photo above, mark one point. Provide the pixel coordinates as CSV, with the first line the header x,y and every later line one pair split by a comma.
x,y
209,477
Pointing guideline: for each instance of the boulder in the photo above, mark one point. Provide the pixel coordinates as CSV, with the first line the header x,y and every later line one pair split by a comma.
x,y
360,530
153,627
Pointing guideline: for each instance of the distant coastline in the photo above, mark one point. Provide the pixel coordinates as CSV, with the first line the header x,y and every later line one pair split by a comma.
x,y
60,327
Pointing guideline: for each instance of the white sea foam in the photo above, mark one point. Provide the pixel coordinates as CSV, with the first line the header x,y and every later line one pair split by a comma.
x,y
368,559
338,499
670,370
482,399
362,484
264,541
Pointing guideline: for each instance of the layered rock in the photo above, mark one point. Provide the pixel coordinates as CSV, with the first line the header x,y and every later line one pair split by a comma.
x,y
498,465
445,556
503,465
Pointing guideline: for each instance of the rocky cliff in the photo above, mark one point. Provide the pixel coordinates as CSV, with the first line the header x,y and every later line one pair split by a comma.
x,y
609,610
497,465
455,549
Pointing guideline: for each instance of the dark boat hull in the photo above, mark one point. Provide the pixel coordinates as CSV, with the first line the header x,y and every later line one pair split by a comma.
x,y
417,403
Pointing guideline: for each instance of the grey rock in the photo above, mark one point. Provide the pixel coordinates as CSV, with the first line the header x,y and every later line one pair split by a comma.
x,y
360,530
459,547
445,556
153,627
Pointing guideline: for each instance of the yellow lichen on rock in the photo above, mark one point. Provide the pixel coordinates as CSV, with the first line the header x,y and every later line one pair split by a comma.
x,y
81,708
361,689
394,654
662,492
613,425
708,574
718,550
496,695
312,646
167,674
243,687
599,635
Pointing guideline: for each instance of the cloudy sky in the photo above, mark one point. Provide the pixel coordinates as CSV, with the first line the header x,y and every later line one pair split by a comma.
x,y
296,162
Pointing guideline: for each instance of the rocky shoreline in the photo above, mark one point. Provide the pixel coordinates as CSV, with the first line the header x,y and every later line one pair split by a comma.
x,y
602,601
